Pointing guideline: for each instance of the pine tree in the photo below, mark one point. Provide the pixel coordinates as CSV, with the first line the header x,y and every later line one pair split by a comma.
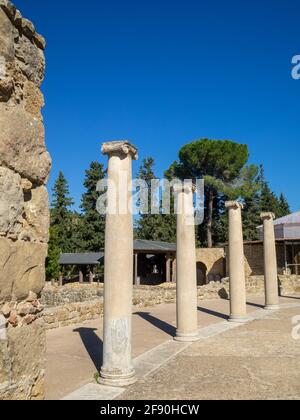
x,y
219,163
92,227
269,200
61,215
250,195
283,207
155,227
52,265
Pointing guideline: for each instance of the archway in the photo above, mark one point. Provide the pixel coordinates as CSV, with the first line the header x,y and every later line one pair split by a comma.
x,y
201,274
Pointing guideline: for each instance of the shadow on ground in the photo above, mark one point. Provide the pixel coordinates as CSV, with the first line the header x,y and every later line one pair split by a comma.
x,y
92,344
158,323
213,313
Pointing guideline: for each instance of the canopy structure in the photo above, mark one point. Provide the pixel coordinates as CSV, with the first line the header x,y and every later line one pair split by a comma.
x,y
287,227
90,258
153,261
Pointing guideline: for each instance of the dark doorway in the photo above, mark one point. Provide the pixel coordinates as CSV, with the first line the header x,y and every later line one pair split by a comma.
x,y
201,274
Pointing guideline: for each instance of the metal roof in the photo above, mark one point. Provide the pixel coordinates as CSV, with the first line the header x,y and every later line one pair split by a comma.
x,y
89,258
293,218
143,245
286,228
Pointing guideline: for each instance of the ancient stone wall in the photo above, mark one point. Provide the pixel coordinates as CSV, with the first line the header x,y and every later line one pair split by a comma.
x,y
254,258
76,303
24,218
213,261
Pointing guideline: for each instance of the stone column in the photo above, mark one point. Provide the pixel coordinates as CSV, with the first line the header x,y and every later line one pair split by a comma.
x,y
187,310
117,369
238,309
270,262
91,277
80,276
174,270
168,268
136,277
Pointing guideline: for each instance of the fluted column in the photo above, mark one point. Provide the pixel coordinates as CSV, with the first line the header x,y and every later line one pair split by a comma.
x,y
117,369
270,262
238,310
187,318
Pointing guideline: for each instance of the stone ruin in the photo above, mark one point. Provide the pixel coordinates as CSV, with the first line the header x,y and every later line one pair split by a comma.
x,y
24,216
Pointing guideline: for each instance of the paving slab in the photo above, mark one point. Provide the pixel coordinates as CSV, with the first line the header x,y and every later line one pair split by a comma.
x,y
75,352
259,360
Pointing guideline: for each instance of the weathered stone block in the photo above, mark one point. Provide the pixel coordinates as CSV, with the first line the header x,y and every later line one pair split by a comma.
x,y
6,37
36,216
21,132
21,269
11,203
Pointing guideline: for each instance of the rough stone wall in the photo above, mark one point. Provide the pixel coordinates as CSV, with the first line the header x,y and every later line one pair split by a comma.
x,y
74,304
24,219
254,259
289,285
214,260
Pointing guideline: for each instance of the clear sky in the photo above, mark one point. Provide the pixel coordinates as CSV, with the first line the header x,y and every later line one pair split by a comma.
x,y
163,73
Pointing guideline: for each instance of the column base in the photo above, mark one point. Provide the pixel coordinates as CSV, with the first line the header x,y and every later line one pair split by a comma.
x,y
271,307
117,380
238,319
187,338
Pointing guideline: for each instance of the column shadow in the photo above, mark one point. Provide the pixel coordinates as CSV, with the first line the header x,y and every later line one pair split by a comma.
x,y
158,323
256,305
93,345
290,297
213,313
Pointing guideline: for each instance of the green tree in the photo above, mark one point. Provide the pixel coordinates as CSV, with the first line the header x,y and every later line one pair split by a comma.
x,y
92,227
219,163
269,200
61,215
52,261
155,227
283,207
250,193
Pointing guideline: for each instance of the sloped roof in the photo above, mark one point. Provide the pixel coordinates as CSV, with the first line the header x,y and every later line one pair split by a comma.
x,y
293,218
143,245
89,258
95,258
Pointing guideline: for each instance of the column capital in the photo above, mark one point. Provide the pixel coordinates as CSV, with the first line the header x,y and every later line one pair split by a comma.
x,y
121,147
267,216
234,205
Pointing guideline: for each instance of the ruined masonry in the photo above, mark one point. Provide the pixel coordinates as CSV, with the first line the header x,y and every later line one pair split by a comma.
x,y
24,220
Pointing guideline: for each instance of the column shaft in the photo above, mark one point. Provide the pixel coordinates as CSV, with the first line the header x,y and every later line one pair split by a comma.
x,y
270,262
187,310
238,310
117,369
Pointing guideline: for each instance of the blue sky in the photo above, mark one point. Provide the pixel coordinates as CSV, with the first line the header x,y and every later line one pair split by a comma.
x,y
164,73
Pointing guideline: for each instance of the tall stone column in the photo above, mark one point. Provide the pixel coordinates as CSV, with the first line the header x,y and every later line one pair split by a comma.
x,y
187,310
117,369
238,309
24,216
270,262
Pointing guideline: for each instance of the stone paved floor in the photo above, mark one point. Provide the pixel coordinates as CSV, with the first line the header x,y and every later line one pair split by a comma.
x,y
259,360
74,353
